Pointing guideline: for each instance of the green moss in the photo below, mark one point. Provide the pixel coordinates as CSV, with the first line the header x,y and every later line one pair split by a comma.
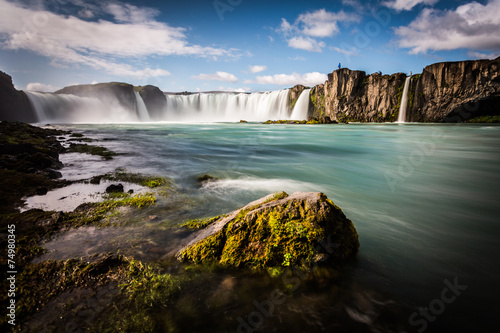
x,y
140,179
485,119
136,291
201,223
263,236
83,148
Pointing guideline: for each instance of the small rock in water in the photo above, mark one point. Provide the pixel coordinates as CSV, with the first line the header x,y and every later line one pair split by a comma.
x,y
131,191
41,190
52,174
114,188
96,180
206,178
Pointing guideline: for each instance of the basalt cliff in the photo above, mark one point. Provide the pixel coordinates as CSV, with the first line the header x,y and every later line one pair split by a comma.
x,y
443,92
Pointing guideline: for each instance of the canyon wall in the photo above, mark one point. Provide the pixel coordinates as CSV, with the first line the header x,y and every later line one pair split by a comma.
x,y
444,92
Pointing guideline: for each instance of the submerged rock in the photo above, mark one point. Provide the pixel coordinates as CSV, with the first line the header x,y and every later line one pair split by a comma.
x,y
114,188
277,230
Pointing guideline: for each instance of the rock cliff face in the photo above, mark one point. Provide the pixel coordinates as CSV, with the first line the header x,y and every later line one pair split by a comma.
x,y
354,96
112,93
456,91
14,104
154,99
444,92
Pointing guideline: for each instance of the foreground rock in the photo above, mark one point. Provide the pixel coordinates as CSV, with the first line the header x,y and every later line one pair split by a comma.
x,y
29,158
278,230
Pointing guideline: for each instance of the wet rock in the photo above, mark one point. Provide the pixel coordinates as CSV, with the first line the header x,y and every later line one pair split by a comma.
x,y
278,230
41,190
96,180
205,179
114,188
52,174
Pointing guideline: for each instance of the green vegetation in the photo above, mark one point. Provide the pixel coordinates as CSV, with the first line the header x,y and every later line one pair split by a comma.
x,y
318,101
83,148
485,119
130,292
137,178
201,223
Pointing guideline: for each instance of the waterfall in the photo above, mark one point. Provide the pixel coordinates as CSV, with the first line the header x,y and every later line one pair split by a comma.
x,y
200,107
70,108
301,106
404,101
142,110
227,107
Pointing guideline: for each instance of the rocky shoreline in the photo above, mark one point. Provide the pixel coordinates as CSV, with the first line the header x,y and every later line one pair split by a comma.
x,y
128,294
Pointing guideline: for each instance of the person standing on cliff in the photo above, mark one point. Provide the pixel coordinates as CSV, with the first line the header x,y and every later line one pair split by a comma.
x,y
339,65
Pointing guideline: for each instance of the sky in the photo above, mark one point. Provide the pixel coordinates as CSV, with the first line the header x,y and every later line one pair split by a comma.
x,y
235,45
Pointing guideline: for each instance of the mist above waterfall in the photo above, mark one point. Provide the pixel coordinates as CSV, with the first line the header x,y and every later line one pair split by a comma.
x,y
199,107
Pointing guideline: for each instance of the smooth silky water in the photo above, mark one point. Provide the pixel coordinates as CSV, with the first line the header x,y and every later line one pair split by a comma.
x,y
423,198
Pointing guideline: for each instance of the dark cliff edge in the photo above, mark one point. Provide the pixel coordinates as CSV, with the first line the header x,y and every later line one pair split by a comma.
x,y
14,104
444,92
154,99
456,91
110,93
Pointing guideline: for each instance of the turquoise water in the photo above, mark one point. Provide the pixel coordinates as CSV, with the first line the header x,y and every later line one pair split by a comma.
x,y
423,198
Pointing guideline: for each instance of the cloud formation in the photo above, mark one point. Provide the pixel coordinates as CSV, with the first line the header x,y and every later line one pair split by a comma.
x,y
257,68
218,76
307,79
100,44
400,5
308,27
471,26
35,86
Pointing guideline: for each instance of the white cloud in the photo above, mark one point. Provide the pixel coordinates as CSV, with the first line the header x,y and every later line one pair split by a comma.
x,y
35,86
307,79
400,5
480,55
351,52
218,76
69,40
321,23
238,90
471,26
306,43
297,58
257,68
309,26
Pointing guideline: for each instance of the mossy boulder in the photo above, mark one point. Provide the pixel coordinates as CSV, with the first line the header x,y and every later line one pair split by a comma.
x,y
301,229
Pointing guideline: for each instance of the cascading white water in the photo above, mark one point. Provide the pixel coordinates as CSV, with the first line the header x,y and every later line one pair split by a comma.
x,y
404,101
201,107
301,107
227,107
70,108
142,110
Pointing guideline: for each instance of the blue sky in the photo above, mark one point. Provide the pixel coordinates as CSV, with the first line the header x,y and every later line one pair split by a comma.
x,y
237,45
